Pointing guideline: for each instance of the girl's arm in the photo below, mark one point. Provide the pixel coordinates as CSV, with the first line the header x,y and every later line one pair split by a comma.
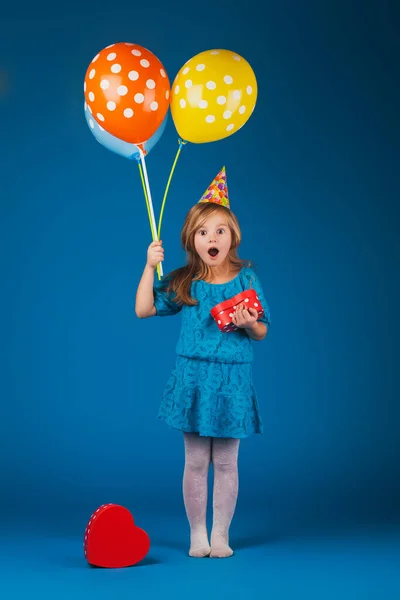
x,y
144,306
257,331
247,319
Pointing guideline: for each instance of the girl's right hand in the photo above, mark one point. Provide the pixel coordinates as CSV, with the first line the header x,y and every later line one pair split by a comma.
x,y
155,254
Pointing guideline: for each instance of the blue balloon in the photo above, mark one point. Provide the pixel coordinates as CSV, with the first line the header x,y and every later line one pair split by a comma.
x,y
125,149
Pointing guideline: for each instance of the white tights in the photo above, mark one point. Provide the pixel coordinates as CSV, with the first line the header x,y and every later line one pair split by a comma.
x,y
199,453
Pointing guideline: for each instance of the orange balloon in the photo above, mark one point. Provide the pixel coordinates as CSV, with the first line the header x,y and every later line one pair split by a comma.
x,y
127,91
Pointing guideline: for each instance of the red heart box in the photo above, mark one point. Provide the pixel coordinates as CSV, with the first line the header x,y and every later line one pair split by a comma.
x,y
223,312
113,540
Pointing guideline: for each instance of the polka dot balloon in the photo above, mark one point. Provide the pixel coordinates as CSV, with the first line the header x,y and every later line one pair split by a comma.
x,y
213,96
127,91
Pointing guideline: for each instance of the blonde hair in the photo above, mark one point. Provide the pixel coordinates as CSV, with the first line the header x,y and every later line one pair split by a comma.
x,y
180,280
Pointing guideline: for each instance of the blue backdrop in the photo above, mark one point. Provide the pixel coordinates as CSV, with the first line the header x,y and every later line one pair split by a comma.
x,y
312,178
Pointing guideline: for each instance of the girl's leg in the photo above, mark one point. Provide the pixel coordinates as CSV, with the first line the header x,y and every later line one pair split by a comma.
x,y
226,485
197,463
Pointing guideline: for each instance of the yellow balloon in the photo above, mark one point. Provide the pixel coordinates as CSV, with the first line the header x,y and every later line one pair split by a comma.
x,y
213,96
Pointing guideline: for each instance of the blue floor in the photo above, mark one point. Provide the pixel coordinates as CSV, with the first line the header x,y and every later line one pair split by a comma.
x,y
360,563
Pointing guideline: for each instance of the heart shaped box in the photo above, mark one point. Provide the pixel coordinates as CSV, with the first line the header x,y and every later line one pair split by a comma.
x,y
222,313
113,540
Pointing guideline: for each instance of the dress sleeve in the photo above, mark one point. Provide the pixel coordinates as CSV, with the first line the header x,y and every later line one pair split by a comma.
x,y
251,281
163,300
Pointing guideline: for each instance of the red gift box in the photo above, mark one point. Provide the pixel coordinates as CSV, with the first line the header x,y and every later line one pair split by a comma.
x,y
223,312
113,540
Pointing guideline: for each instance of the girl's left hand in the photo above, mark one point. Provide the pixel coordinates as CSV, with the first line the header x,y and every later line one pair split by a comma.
x,y
244,318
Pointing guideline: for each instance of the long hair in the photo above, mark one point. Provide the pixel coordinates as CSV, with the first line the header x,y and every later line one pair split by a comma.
x,y
180,280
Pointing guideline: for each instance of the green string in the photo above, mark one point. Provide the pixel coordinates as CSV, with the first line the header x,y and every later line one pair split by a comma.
x,y
148,211
181,144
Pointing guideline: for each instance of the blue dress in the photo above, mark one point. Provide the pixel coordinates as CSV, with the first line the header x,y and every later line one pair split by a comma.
x,y
210,390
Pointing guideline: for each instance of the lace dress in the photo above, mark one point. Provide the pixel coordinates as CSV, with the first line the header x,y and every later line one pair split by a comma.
x,y
210,390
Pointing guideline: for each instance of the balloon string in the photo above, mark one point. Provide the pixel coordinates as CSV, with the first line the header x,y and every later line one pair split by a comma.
x,y
145,195
153,220
181,144
148,212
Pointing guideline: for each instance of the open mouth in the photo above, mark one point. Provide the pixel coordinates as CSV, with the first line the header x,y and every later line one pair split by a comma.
x,y
213,252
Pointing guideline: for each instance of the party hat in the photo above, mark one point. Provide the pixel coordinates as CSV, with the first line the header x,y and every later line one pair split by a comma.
x,y
217,191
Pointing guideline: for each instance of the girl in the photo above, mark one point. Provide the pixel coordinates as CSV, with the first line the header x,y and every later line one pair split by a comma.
x,y
209,396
